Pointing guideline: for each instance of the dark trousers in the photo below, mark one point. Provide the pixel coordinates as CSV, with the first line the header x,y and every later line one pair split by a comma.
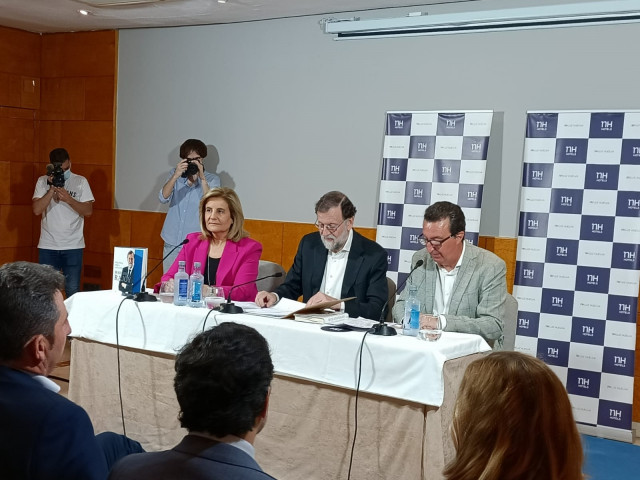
x,y
116,446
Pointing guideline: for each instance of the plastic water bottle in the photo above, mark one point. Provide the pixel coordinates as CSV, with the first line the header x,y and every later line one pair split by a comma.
x,y
195,286
411,323
180,285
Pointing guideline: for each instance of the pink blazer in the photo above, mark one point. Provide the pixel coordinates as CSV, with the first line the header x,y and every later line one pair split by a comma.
x,y
238,264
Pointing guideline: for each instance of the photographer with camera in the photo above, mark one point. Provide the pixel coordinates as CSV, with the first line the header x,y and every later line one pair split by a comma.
x,y
63,199
186,185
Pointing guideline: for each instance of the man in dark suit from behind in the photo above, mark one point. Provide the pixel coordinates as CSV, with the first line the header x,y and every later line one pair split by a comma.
x,y
42,434
223,382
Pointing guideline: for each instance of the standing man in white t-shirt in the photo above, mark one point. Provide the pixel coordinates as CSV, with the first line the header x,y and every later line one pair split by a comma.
x,y
63,208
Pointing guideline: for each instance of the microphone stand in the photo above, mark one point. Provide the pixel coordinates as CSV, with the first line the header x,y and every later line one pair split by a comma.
x,y
382,328
143,296
232,308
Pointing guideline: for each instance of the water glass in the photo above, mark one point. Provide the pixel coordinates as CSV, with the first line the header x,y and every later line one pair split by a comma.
x,y
215,297
430,327
166,291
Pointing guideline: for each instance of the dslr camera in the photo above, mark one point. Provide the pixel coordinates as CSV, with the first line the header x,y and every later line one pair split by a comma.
x,y
56,174
192,169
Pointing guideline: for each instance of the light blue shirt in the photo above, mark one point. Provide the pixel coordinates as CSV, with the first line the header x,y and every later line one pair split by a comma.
x,y
183,216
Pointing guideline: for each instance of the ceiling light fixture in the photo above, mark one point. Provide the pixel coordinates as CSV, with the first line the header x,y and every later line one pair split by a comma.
x,y
222,1
83,12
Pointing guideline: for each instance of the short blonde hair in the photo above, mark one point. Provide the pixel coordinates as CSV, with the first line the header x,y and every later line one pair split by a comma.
x,y
236,231
513,420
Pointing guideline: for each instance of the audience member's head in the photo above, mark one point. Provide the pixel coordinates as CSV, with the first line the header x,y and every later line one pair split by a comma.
x,y
513,420
58,155
33,318
193,145
222,381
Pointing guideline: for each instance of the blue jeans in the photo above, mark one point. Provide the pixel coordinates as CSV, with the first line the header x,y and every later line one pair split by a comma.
x,y
69,262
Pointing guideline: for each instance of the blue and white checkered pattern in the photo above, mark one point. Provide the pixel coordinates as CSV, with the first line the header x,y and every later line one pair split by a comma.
x,y
429,157
577,263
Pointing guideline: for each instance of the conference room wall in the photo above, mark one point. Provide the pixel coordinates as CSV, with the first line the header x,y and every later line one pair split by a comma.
x,y
289,113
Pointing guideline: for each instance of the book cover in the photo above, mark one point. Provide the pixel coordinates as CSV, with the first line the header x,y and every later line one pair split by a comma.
x,y
129,269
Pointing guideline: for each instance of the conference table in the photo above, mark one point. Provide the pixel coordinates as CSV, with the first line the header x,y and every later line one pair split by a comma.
x,y
407,387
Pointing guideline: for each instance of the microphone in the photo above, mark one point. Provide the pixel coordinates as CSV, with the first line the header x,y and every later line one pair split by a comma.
x,y
232,307
147,297
382,328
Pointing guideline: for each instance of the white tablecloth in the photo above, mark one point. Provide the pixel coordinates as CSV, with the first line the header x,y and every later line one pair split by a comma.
x,y
398,367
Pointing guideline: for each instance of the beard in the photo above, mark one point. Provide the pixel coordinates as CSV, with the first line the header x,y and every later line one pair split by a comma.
x,y
334,244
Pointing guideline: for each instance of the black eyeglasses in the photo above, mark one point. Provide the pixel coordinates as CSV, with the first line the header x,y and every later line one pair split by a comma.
x,y
331,228
434,243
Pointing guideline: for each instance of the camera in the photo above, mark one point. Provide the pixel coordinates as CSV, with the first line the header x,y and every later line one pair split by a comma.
x,y
55,171
192,169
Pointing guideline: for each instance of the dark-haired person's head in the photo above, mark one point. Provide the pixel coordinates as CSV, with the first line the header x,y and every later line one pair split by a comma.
x,y
33,318
193,145
513,419
334,218
222,381
443,233
58,155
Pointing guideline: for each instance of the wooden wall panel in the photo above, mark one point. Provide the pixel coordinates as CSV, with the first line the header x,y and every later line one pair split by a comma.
x,y
86,142
62,99
291,235
99,102
22,184
17,225
270,235
30,92
100,180
5,183
79,54
19,52
505,248
14,254
17,136
145,232
106,229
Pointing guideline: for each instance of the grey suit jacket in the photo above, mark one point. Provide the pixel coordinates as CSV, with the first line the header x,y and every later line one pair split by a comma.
x,y
195,458
478,298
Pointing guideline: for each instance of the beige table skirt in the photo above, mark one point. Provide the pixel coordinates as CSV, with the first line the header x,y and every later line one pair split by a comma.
x,y
310,426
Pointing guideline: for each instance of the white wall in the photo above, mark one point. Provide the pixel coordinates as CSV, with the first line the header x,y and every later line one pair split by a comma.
x,y
289,113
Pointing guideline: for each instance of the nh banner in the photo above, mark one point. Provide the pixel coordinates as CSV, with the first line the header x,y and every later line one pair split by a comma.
x,y
428,157
577,262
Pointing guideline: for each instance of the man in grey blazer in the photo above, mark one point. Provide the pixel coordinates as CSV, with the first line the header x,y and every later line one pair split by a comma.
x,y
223,382
462,284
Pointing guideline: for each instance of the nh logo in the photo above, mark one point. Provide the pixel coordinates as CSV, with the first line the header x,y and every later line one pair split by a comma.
x,y
615,414
395,169
624,308
532,224
633,203
566,201
476,147
583,382
552,352
629,256
619,361
398,123
586,330
528,273
418,192
472,195
413,238
537,174
601,176
571,150
592,279
447,170
541,125
391,214
523,323
606,125
562,251
636,152
556,301
597,227
389,259
451,124
422,146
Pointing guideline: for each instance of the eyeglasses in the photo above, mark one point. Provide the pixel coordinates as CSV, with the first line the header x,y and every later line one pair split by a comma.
x,y
436,244
331,228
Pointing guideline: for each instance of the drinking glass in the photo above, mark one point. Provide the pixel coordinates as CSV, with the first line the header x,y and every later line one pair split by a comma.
x,y
215,297
166,291
430,327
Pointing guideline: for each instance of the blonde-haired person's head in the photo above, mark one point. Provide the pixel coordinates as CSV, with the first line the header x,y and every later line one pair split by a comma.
x,y
513,421
236,230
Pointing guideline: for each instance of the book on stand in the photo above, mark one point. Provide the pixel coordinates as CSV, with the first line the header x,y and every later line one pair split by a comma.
x,y
129,269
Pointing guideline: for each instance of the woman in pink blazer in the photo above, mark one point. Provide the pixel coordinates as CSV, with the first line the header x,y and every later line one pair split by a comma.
x,y
227,256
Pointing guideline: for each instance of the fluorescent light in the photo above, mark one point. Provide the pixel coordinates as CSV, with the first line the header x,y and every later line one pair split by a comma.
x,y
83,12
569,15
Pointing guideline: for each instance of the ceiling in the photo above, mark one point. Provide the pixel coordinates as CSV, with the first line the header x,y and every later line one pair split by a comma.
x,y
47,16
